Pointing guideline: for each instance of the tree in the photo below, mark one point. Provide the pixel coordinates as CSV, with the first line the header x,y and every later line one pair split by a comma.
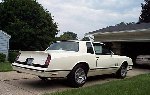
x,y
68,36
120,24
86,39
123,23
145,12
31,26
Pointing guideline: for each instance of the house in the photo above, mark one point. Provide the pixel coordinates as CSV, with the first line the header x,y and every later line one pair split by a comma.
x,y
130,40
4,43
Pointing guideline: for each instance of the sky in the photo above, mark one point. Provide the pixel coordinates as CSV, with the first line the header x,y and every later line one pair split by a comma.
x,y
83,16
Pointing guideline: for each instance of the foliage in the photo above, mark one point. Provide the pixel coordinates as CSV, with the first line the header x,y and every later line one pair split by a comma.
x,y
5,67
138,85
12,56
2,57
145,12
68,36
86,39
123,23
31,26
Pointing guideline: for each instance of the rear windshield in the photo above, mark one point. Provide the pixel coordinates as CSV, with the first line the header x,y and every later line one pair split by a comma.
x,y
66,46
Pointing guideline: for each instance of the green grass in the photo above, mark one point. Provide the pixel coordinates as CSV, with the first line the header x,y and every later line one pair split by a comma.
x,y
138,85
5,67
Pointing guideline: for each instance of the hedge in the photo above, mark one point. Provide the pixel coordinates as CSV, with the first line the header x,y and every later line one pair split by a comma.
x,y
12,56
2,57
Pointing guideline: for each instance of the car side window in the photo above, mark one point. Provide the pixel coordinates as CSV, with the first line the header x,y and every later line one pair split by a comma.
x,y
97,48
101,49
89,48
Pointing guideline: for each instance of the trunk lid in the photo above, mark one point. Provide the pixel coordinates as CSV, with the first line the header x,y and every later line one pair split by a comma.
x,y
40,57
37,57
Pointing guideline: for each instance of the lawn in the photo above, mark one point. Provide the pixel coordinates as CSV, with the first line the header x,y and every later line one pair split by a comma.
x,y
5,67
138,85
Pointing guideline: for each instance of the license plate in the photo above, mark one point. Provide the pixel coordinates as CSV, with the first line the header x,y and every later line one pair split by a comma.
x,y
29,61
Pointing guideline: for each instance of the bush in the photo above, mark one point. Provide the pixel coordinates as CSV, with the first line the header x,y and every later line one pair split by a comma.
x,y
2,57
12,56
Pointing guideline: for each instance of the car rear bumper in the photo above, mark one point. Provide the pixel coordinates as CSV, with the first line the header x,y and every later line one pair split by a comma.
x,y
38,71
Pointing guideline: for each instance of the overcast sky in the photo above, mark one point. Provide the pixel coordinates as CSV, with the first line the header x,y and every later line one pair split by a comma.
x,y
83,16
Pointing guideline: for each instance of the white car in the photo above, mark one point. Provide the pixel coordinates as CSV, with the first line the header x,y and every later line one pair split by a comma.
x,y
143,60
74,60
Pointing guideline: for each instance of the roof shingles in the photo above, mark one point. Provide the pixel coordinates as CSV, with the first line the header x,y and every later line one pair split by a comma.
x,y
123,28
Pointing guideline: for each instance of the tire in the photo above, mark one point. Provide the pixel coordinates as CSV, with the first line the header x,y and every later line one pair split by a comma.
x,y
78,76
122,72
43,78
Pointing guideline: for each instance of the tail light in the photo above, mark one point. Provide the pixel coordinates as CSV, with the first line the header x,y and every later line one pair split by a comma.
x,y
17,57
48,60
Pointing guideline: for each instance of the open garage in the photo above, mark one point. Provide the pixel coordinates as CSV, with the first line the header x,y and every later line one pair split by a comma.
x,y
133,49
130,40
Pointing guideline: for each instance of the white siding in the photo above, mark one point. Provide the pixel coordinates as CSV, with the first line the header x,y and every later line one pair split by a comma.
x,y
4,43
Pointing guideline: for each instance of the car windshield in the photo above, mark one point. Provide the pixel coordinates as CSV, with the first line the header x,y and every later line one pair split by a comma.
x,y
66,46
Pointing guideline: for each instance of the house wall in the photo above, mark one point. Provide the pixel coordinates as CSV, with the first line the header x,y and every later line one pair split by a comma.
x,y
4,43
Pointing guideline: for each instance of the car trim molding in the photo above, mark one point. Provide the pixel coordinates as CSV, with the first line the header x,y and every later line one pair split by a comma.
x,y
39,70
104,68
28,68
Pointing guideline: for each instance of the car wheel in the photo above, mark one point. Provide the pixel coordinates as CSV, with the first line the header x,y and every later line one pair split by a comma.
x,y
43,78
77,76
122,72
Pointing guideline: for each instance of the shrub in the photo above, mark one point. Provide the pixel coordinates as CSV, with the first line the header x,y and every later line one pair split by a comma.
x,y
12,56
2,57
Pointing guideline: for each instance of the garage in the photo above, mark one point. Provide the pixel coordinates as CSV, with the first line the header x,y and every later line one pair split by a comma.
x,y
129,40
133,49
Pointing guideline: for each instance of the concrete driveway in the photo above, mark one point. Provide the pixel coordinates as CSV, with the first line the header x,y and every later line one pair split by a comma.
x,y
13,83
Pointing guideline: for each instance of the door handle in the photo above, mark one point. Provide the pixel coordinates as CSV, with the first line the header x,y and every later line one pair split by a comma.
x,y
97,57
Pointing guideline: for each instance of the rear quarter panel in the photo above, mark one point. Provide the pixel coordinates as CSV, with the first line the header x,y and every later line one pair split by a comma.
x,y
122,59
68,62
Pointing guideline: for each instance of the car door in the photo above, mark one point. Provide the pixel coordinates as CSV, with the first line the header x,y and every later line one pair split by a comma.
x,y
105,61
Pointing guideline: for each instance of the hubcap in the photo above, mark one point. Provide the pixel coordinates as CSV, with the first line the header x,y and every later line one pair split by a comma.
x,y
123,71
80,76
